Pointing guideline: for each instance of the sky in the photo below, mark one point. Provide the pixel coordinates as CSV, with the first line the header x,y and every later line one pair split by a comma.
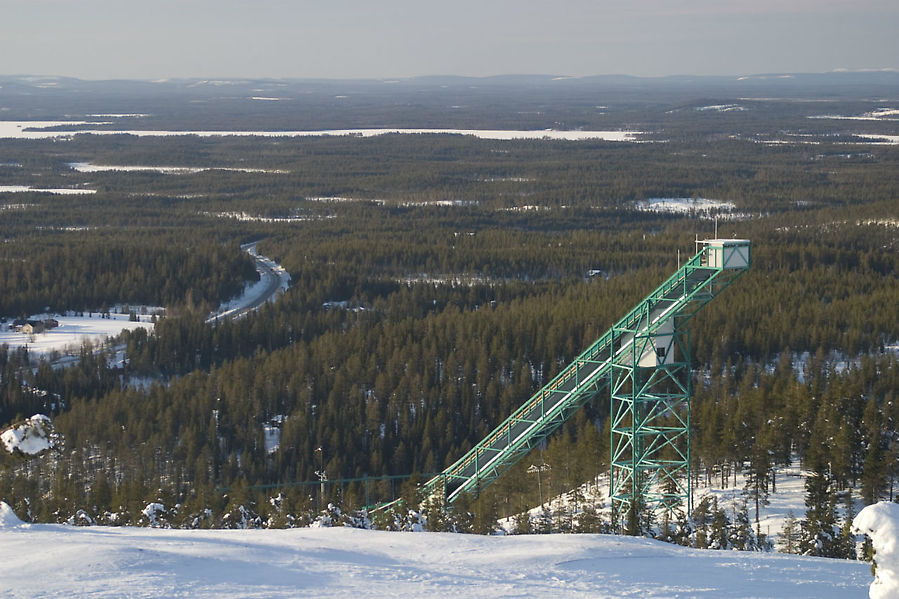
x,y
116,39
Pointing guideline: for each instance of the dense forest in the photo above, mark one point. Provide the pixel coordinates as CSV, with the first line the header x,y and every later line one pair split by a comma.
x,y
437,281
85,275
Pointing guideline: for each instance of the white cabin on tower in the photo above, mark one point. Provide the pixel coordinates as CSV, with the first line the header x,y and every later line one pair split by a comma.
x,y
727,253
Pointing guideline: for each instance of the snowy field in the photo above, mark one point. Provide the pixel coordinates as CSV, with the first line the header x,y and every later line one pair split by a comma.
x,y
875,140
43,130
790,497
881,114
48,560
72,332
684,205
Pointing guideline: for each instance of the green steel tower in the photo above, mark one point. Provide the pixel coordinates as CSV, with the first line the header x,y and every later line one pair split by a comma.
x,y
644,361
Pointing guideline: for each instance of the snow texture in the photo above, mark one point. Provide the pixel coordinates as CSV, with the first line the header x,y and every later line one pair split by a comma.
x,y
881,522
31,437
343,562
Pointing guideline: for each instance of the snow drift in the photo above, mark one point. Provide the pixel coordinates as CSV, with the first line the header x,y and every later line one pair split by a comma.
x,y
8,517
881,523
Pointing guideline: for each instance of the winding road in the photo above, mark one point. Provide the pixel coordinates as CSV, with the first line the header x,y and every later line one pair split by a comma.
x,y
273,280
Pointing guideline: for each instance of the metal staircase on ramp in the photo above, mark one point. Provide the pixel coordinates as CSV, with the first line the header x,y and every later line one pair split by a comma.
x,y
645,341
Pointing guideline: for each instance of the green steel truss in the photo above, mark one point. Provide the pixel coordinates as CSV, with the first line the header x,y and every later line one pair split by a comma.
x,y
644,361
650,428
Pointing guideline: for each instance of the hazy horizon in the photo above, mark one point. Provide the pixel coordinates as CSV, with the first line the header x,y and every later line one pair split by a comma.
x,y
104,39
554,76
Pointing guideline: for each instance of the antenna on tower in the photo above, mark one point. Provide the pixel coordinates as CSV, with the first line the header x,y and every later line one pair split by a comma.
x,y
716,226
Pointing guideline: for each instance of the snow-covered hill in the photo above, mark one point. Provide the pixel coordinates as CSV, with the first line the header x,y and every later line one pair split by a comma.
x,y
44,560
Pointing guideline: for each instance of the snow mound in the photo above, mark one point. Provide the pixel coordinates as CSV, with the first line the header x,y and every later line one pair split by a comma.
x,y
32,437
8,518
881,522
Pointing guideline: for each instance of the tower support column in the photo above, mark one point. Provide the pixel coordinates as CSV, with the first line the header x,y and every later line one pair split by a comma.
x,y
650,426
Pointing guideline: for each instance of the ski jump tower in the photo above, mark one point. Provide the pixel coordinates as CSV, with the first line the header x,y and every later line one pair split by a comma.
x,y
644,362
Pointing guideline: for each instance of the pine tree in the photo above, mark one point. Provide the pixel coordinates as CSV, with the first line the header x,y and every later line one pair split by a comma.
x,y
757,477
522,522
485,515
588,521
742,537
847,542
873,471
819,535
702,519
543,523
433,510
719,528
790,535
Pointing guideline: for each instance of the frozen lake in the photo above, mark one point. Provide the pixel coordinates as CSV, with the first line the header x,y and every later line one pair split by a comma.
x,y
57,191
44,130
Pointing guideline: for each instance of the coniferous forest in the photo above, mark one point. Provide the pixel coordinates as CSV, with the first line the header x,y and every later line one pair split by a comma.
x,y
437,281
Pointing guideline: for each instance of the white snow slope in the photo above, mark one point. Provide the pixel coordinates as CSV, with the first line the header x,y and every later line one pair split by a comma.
x,y
60,561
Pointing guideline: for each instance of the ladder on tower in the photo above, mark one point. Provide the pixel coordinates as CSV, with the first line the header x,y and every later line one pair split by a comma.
x,y
645,338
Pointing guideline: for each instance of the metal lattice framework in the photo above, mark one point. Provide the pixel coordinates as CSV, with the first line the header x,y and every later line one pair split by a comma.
x,y
644,360
650,428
